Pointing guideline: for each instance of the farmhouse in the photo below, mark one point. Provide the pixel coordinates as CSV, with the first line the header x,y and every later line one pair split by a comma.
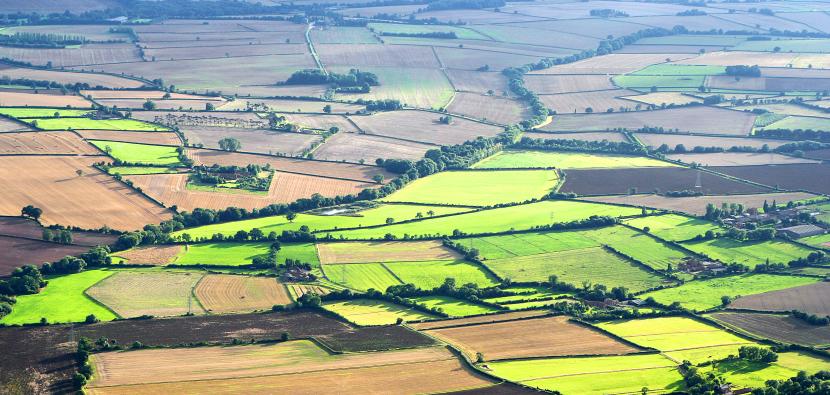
x,y
694,265
799,231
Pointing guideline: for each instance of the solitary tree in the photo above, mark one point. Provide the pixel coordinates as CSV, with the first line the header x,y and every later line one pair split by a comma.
x,y
327,109
149,105
230,144
31,212
290,216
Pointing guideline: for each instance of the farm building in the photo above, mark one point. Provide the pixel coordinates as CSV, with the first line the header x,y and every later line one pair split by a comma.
x,y
799,231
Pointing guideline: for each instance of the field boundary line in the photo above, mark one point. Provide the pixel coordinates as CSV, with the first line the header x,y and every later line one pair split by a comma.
x,y
195,297
392,273
98,302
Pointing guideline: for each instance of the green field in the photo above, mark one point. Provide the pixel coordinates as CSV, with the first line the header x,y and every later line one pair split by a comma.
x,y
241,253
663,83
460,32
818,241
478,188
808,46
595,265
147,292
140,153
653,253
361,276
520,217
797,122
742,373
130,170
594,375
511,159
370,217
62,300
521,244
680,338
749,253
28,112
454,307
706,294
674,227
93,124
375,312
679,70
431,274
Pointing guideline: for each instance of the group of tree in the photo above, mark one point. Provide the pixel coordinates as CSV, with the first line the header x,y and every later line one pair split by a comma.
x,y
439,35
607,13
40,40
355,81
811,319
743,71
692,12
714,213
603,146
381,105
61,236
463,4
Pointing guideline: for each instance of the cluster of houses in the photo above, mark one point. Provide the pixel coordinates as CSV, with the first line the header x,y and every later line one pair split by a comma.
x,y
800,215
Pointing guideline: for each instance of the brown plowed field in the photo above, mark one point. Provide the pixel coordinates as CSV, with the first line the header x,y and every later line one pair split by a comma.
x,y
150,255
283,366
195,105
537,337
696,205
484,319
8,125
156,138
171,189
260,141
315,168
823,154
813,299
67,77
423,127
690,142
353,147
24,227
13,99
777,327
16,252
697,119
45,143
806,177
597,101
647,180
223,293
42,357
89,201
383,251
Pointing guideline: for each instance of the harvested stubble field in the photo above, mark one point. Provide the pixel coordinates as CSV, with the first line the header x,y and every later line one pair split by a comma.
x,y
478,82
696,205
490,108
739,159
302,366
660,98
552,84
87,54
415,87
288,106
178,104
697,119
171,189
26,98
156,293
775,326
655,140
222,293
478,188
615,63
594,375
390,251
155,138
8,125
423,127
347,171
261,141
375,312
353,147
16,252
594,101
321,122
45,143
362,55
484,319
70,77
298,290
520,217
149,255
706,294
809,177
512,159
680,338
812,299
593,264
526,338
583,136
648,180
63,300
53,184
